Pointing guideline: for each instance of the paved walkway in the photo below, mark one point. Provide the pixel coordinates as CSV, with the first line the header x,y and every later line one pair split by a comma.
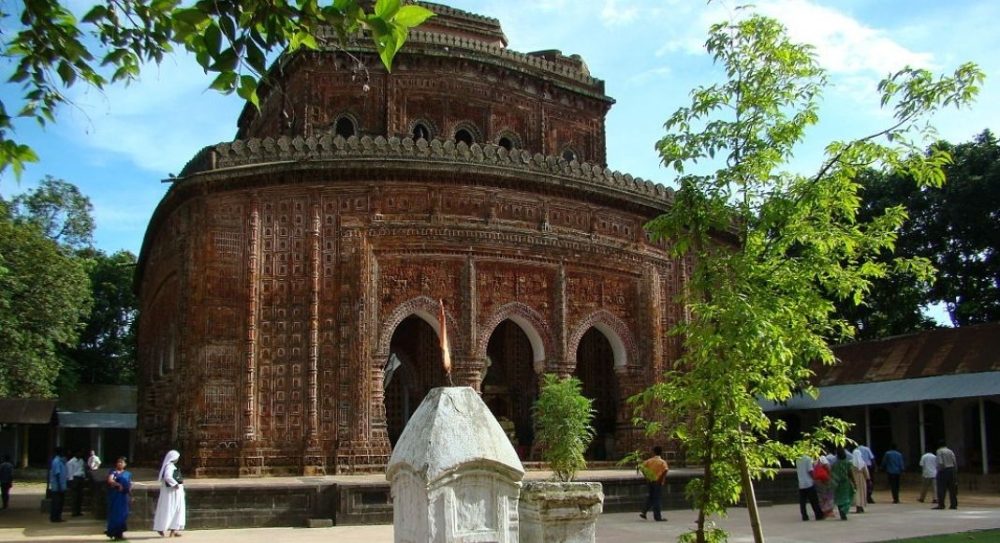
x,y
881,522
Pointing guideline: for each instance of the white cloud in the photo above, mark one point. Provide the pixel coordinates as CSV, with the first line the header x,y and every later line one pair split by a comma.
x,y
843,44
688,27
159,122
652,74
614,14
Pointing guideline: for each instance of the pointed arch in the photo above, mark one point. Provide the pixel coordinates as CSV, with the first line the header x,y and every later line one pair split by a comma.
x,y
426,308
529,321
614,329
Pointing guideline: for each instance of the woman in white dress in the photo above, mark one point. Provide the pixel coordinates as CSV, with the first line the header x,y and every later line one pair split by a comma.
x,y
170,505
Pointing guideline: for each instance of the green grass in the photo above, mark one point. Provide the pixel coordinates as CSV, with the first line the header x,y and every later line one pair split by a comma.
x,y
979,536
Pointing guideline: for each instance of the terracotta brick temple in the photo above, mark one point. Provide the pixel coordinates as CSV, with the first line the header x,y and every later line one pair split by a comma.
x,y
284,272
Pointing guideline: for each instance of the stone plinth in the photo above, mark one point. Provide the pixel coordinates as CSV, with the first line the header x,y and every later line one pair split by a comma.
x,y
454,475
552,512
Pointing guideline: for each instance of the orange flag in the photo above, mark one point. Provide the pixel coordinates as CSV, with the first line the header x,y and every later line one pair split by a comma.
x,y
445,352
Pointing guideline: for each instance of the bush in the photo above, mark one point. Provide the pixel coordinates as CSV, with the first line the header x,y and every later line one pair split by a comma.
x,y
563,428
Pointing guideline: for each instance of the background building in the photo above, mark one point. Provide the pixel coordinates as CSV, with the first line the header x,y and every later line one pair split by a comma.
x,y
913,390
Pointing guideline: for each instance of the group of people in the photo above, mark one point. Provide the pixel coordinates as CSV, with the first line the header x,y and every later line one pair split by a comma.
x,y
843,479
73,474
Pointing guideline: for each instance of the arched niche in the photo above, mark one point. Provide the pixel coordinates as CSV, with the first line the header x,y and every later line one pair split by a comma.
x,y
616,332
531,323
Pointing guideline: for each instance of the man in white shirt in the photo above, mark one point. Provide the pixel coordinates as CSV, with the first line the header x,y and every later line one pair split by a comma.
x,y
928,468
807,487
947,465
74,473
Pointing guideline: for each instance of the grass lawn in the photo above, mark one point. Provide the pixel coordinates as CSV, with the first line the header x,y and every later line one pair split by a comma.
x,y
983,536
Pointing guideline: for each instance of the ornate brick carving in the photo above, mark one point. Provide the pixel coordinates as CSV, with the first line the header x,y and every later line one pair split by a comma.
x,y
278,267
524,315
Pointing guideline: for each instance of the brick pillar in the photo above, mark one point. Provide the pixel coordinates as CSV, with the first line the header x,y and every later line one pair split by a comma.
x,y
469,372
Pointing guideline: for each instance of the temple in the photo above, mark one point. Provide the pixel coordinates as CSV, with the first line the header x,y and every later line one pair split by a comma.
x,y
289,280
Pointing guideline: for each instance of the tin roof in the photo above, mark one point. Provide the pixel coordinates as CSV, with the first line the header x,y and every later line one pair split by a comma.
x,y
26,410
945,351
939,387
932,365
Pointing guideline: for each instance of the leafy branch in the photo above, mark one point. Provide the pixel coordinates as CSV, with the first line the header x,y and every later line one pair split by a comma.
x,y
230,39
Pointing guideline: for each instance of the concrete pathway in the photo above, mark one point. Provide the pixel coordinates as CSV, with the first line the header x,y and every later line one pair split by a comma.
x,y
881,522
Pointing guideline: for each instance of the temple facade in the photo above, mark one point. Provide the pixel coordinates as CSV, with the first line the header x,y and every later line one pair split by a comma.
x,y
290,280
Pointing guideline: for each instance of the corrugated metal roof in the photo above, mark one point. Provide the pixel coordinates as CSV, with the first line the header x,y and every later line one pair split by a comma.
x,y
26,410
941,387
946,351
69,419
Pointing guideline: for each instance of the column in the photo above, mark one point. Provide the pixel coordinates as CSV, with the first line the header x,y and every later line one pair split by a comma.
x,y
982,437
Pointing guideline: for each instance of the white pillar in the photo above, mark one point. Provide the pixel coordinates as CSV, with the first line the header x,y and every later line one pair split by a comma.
x,y
868,428
982,436
923,430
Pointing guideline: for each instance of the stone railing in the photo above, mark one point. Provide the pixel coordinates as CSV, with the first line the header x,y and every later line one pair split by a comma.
x,y
242,153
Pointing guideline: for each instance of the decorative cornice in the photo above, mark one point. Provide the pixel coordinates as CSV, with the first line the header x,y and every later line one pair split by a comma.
x,y
452,45
325,149
442,9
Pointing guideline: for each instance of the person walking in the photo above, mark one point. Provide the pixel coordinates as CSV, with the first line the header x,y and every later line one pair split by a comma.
x,y
655,470
170,508
119,500
824,487
842,479
869,458
947,466
928,471
57,485
859,471
892,464
807,487
6,479
74,476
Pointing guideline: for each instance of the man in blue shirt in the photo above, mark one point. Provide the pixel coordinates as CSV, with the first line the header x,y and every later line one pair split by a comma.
x,y
57,485
892,463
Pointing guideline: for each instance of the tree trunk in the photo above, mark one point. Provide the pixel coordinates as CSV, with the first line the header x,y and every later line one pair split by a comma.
x,y
751,499
706,484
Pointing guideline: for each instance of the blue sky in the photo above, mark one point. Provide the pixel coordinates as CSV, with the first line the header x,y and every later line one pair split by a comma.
x,y
117,145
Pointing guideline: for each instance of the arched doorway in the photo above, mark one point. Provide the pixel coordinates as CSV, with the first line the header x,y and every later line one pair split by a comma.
x,y
510,385
595,361
415,365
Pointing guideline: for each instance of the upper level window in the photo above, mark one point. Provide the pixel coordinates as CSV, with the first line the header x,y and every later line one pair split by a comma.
x,y
420,131
506,143
569,155
464,136
344,127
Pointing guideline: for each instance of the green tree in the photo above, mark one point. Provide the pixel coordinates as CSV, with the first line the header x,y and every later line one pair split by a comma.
x,y
44,294
563,429
59,210
105,351
954,228
769,249
52,49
